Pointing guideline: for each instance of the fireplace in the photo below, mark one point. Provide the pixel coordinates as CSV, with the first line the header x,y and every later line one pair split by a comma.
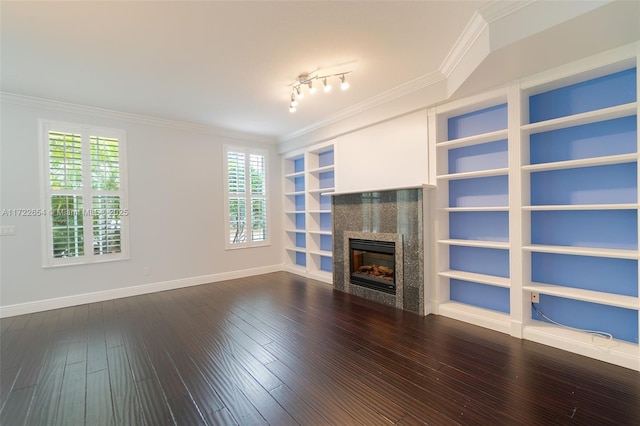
x,y
372,264
393,218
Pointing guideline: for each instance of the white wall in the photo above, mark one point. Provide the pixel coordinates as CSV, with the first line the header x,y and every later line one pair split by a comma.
x,y
388,155
176,213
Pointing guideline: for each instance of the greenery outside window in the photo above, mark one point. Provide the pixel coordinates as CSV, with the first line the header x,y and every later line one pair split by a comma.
x,y
246,202
85,213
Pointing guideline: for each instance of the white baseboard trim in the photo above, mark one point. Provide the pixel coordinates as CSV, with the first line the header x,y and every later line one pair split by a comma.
x,y
100,296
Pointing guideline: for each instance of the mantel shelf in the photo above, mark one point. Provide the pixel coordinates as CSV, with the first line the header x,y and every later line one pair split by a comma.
x,y
366,191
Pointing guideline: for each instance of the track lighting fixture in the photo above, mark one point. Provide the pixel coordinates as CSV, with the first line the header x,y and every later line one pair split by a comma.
x,y
307,80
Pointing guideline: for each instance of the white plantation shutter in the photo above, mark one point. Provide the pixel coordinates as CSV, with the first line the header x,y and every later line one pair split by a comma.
x,y
65,160
105,163
246,197
85,198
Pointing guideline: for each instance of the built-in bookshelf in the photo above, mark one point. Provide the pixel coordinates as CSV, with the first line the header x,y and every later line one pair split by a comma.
x,y
472,168
309,178
537,208
580,209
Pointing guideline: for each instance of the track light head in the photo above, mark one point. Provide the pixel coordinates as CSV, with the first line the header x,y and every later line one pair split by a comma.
x,y
327,86
344,84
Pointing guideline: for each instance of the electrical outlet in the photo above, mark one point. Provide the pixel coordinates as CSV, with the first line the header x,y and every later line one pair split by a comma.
x,y
535,297
8,230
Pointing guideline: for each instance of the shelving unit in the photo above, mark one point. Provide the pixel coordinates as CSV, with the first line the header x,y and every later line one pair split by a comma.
x,y
472,168
580,210
309,176
544,202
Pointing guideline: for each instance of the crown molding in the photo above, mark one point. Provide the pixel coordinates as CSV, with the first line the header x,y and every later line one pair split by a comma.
x,y
34,102
471,33
499,9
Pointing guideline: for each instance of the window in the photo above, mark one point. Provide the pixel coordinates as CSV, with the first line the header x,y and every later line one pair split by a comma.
x,y
85,205
246,203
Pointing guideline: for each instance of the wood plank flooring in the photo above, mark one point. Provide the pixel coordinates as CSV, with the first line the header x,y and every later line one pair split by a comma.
x,y
279,349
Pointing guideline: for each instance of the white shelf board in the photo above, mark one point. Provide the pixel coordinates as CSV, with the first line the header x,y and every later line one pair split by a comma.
x,y
324,253
294,193
589,117
476,243
600,297
322,169
621,353
476,174
583,162
583,251
294,175
296,249
583,207
320,191
319,211
297,231
294,211
477,278
497,321
318,232
474,140
475,209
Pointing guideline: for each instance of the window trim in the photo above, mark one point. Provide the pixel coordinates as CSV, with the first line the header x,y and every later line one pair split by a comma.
x,y
247,151
87,193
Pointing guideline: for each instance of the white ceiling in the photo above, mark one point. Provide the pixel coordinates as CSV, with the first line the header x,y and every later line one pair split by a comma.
x,y
230,64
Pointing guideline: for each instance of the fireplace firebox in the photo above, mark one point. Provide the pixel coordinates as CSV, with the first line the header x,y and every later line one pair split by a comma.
x,y
373,264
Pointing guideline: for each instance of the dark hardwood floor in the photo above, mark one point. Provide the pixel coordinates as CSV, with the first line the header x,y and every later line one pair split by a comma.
x,y
279,349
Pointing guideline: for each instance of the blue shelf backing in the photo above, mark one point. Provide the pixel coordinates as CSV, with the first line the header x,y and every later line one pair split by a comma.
x,y
298,165
480,295
479,260
615,229
325,202
301,259
610,275
301,240
616,183
300,221
486,156
299,201
478,122
325,159
610,137
326,264
602,92
326,180
326,242
325,222
299,183
490,191
620,322
485,226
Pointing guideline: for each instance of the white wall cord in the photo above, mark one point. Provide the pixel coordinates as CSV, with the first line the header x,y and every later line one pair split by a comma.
x,y
593,333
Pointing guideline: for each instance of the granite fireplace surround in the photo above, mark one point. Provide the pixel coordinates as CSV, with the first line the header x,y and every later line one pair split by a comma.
x,y
387,216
